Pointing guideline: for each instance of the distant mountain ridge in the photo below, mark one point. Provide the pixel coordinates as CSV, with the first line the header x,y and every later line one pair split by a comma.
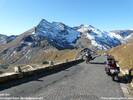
x,y
63,36
100,39
123,33
54,36
5,39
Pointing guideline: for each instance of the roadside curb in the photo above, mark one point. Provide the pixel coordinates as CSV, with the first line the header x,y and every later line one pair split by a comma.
x,y
125,90
123,86
58,66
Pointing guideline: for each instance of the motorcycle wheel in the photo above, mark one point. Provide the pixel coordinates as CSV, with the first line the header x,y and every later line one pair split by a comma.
x,y
87,61
115,78
108,73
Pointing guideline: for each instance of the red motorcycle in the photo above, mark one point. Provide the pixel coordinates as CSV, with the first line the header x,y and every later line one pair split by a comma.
x,y
113,71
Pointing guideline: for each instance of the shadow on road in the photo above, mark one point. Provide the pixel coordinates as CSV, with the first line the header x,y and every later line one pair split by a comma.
x,y
125,79
36,76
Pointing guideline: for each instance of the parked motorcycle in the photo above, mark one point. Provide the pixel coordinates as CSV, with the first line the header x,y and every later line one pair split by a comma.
x,y
113,72
88,59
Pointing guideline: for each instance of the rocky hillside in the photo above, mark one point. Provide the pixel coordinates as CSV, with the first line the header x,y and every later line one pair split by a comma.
x,y
23,48
31,47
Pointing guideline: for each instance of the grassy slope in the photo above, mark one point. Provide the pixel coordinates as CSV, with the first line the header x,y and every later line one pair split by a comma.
x,y
58,55
124,54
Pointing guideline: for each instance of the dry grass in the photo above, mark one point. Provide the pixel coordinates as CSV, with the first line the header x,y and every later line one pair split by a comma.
x,y
50,55
60,55
124,54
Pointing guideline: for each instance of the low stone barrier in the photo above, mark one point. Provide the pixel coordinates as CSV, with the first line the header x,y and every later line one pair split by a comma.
x,y
17,75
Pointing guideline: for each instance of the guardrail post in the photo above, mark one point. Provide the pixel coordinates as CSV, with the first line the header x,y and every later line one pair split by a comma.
x,y
17,69
51,63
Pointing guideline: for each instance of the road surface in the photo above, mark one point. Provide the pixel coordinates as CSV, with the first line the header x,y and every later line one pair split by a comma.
x,y
79,82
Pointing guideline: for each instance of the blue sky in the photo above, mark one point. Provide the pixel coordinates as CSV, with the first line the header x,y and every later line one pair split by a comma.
x,y
16,16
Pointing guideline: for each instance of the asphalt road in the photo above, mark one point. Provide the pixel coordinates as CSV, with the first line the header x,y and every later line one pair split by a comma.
x,y
79,82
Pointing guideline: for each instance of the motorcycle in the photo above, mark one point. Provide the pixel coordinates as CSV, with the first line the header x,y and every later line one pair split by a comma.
x,y
113,72
88,59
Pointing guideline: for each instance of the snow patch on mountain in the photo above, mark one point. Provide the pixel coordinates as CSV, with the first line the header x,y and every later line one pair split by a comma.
x,y
63,36
126,35
100,39
57,33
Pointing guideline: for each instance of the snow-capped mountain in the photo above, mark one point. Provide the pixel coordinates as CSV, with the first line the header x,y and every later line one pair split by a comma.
x,y
123,33
63,36
100,39
58,34
126,35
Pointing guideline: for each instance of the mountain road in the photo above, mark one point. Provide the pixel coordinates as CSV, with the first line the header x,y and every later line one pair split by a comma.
x,y
79,82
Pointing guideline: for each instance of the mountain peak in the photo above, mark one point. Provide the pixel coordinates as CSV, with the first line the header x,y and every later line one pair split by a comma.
x,y
44,21
91,26
59,34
